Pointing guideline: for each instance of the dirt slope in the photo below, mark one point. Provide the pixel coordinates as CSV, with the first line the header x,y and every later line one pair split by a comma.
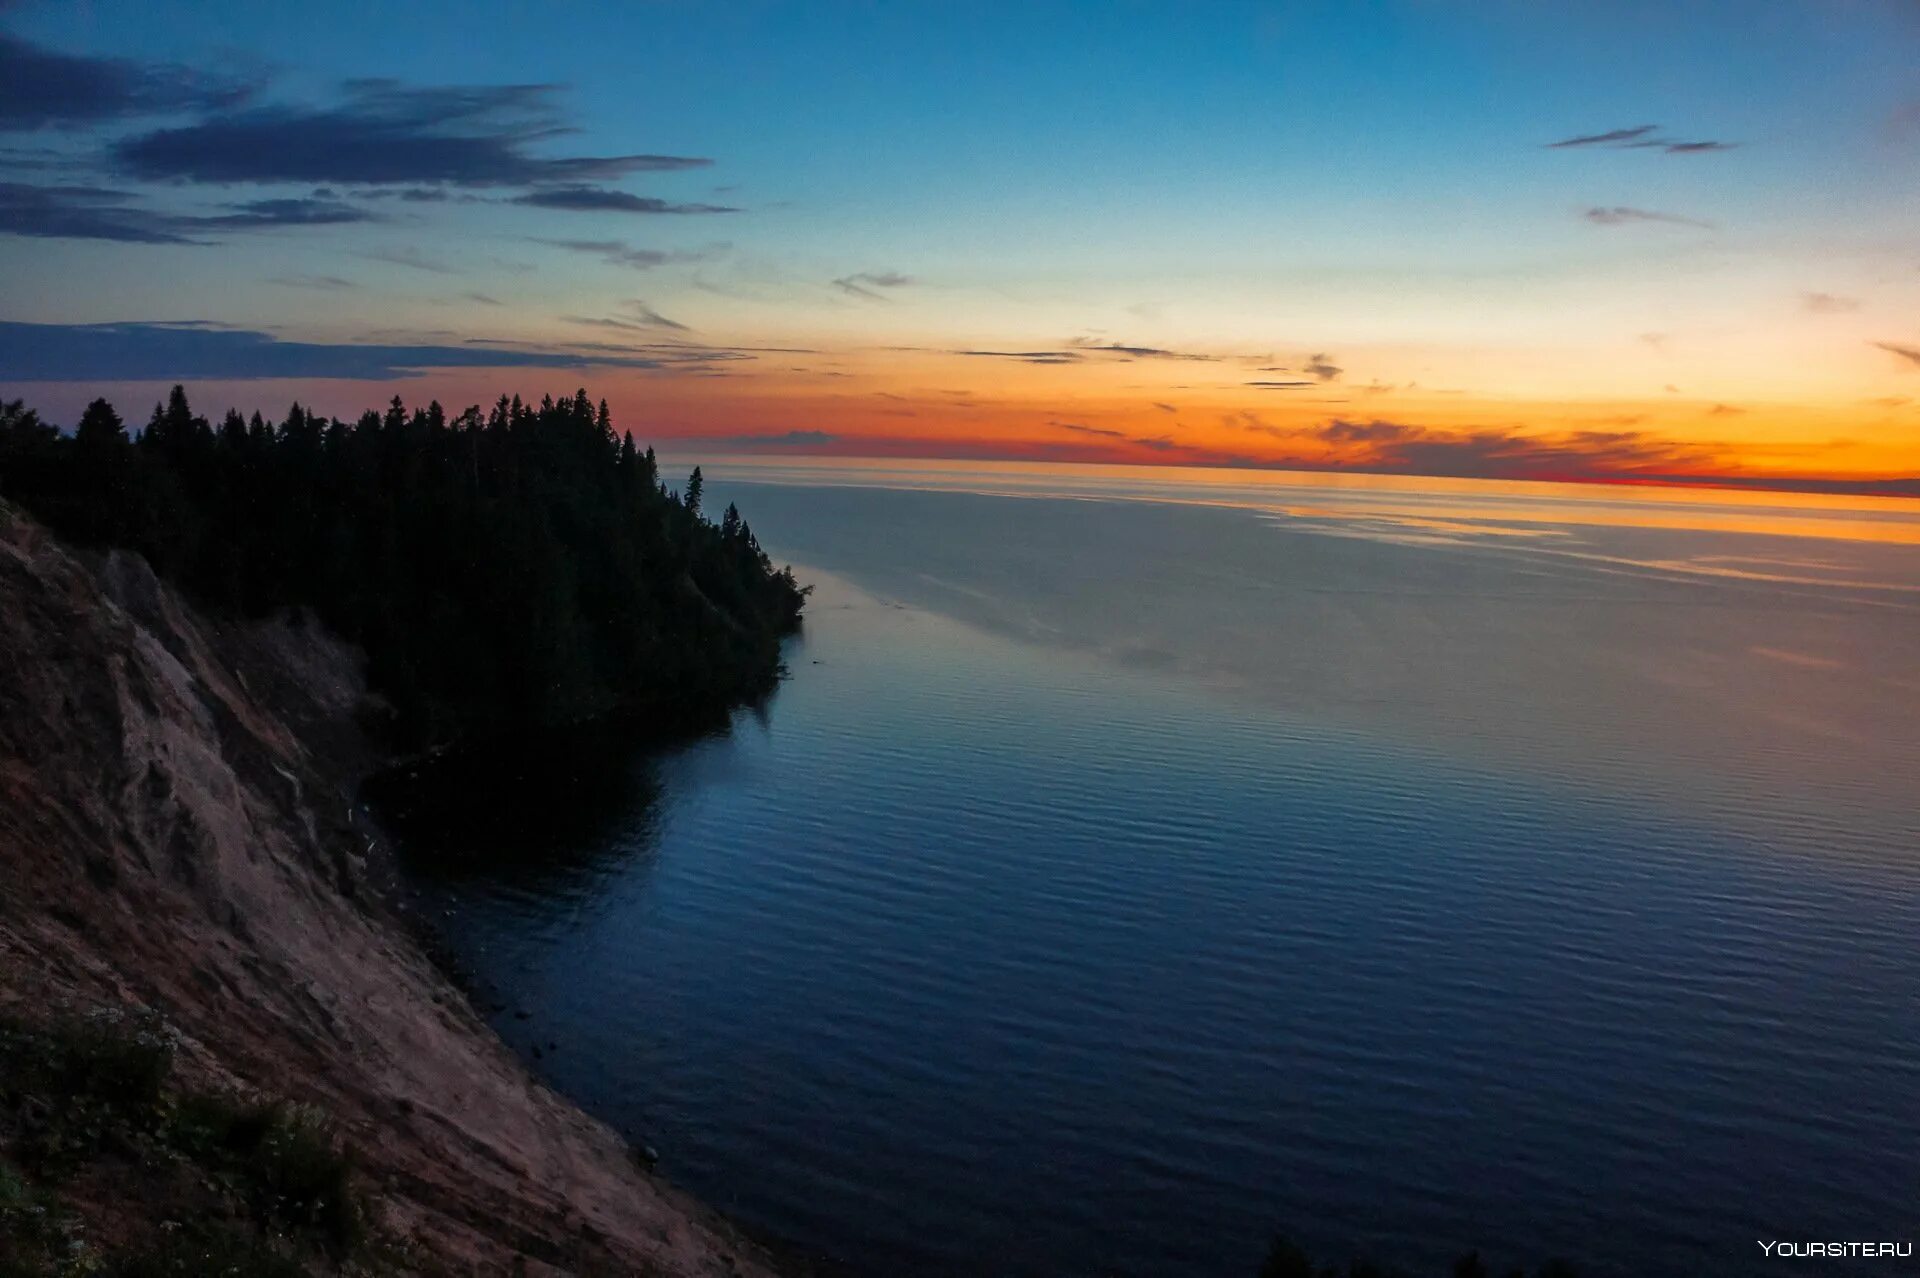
x,y
176,831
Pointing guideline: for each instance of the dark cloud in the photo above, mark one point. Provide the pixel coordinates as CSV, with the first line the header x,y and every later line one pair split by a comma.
x,y
1080,350
1641,137
646,315
1322,368
1158,443
482,299
1612,137
1165,408
865,284
1135,352
1501,453
1029,357
1909,353
84,213
45,89
1620,215
1281,385
600,199
385,133
1694,148
170,351
620,253
99,213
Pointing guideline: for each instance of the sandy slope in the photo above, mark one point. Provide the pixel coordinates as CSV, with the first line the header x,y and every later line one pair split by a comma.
x,y
175,830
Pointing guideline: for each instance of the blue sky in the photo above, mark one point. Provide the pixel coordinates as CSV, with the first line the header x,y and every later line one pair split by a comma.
x,y
1240,179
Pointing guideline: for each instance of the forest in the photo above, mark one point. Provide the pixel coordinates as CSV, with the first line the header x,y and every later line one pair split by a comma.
x,y
519,568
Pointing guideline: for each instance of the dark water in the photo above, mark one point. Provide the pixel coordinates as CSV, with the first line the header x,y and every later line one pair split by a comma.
x,y
1115,882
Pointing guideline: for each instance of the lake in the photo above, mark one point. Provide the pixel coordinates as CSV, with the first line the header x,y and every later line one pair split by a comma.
x,y
1137,863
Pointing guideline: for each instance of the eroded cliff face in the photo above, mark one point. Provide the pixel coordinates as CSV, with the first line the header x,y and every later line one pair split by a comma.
x,y
177,831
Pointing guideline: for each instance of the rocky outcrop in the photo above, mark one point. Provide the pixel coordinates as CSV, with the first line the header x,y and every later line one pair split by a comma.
x,y
177,830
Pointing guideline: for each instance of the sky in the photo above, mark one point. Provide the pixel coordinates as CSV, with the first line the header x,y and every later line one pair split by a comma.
x,y
1621,241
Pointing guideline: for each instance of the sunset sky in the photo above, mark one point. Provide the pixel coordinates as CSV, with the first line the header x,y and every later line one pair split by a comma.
x,y
1519,240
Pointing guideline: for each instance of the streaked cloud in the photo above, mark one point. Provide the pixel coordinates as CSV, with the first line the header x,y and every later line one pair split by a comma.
x,y
1612,137
1126,351
620,253
389,134
780,439
104,213
332,282
413,259
1911,354
1506,453
188,350
595,199
639,317
1641,137
254,214
1622,215
867,284
646,315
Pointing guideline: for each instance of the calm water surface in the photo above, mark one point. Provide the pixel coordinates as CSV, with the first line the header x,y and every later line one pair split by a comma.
x,y
1134,866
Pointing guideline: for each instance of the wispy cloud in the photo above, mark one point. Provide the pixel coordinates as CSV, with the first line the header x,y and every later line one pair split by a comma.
x,y
483,299
1029,357
331,282
1911,354
1126,351
646,315
1622,215
595,199
780,439
1612,137
255,214
183,350
1828,304
102,213
1497,452
867,284
640,317
1641,137
413,259
389,134
620,253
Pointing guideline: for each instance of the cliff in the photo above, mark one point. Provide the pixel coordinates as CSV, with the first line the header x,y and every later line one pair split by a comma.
x,y
178,833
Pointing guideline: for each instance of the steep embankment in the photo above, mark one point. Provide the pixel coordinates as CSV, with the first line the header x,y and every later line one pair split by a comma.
x,y
176,831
